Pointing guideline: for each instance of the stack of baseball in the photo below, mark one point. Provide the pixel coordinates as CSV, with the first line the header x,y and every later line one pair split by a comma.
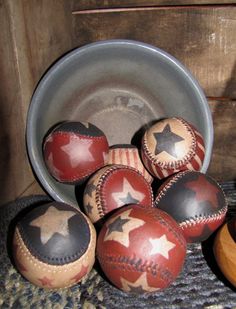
x,y
147,204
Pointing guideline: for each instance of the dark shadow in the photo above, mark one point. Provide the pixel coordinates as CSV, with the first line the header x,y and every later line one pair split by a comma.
x,y
99,224
230,89
30,163
79,194
208,253
232,228
225,139
52,128
138,135
137,140
156,185
229,189
5,153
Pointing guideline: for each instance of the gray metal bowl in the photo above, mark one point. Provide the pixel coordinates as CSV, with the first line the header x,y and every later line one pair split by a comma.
x,y
119,85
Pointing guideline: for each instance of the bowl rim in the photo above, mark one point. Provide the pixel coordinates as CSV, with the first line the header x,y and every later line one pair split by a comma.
x,y
61,62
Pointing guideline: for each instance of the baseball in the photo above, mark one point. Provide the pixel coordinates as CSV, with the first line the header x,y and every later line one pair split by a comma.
x,y
114,186
127,154
75,150
225,250
172,145
141,249
195,201
54,246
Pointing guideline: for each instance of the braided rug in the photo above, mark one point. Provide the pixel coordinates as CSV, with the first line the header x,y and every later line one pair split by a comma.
x,y
200,284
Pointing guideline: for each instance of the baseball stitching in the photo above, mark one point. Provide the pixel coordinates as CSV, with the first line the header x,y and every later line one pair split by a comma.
x,y
74,179
169,184
54,269
62,133
166,224
65,259
197,219
137,264
200,219
173,164
100,195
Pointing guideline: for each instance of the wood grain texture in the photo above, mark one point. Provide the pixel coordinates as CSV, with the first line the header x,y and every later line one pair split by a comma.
x,y
30,40
95,4
36,33
223,162
14,169
48,32
203,39
224,248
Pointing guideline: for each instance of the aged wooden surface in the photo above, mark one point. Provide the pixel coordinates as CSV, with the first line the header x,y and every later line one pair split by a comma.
x,y
223,163
201,38
48,32
95,4
29,42
14,169
35,33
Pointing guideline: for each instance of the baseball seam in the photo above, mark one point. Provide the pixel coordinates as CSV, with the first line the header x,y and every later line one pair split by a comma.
x,y
78,135
100,196
169,184
74,179
137,264
198,218
178,237
173,164
66,259
54,269
205,220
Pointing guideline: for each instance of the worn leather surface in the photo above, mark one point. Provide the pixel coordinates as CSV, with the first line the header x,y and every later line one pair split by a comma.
x,y
200,284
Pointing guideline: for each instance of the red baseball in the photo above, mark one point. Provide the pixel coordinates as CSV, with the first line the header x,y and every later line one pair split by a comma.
x,y
114,186
170,146
75,150
141,249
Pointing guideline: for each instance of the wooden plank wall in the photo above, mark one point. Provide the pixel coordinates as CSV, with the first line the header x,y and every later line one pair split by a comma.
x,y
103,4
193,35
33,34
201,34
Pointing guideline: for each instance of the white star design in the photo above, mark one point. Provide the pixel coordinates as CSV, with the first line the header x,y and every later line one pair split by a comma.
x,y
140,284
127,188
161,246
51,222
121,235
77,150
55,172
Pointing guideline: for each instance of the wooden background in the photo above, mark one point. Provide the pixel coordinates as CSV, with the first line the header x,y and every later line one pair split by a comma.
x,y
201,34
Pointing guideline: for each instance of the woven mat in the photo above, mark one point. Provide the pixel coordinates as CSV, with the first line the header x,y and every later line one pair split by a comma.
x,y
200,284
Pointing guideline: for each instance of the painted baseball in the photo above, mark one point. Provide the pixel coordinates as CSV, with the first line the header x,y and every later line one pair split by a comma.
x,y
54,246
114,186
172,145
141,249
75,150
195,201
127,154
225,250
